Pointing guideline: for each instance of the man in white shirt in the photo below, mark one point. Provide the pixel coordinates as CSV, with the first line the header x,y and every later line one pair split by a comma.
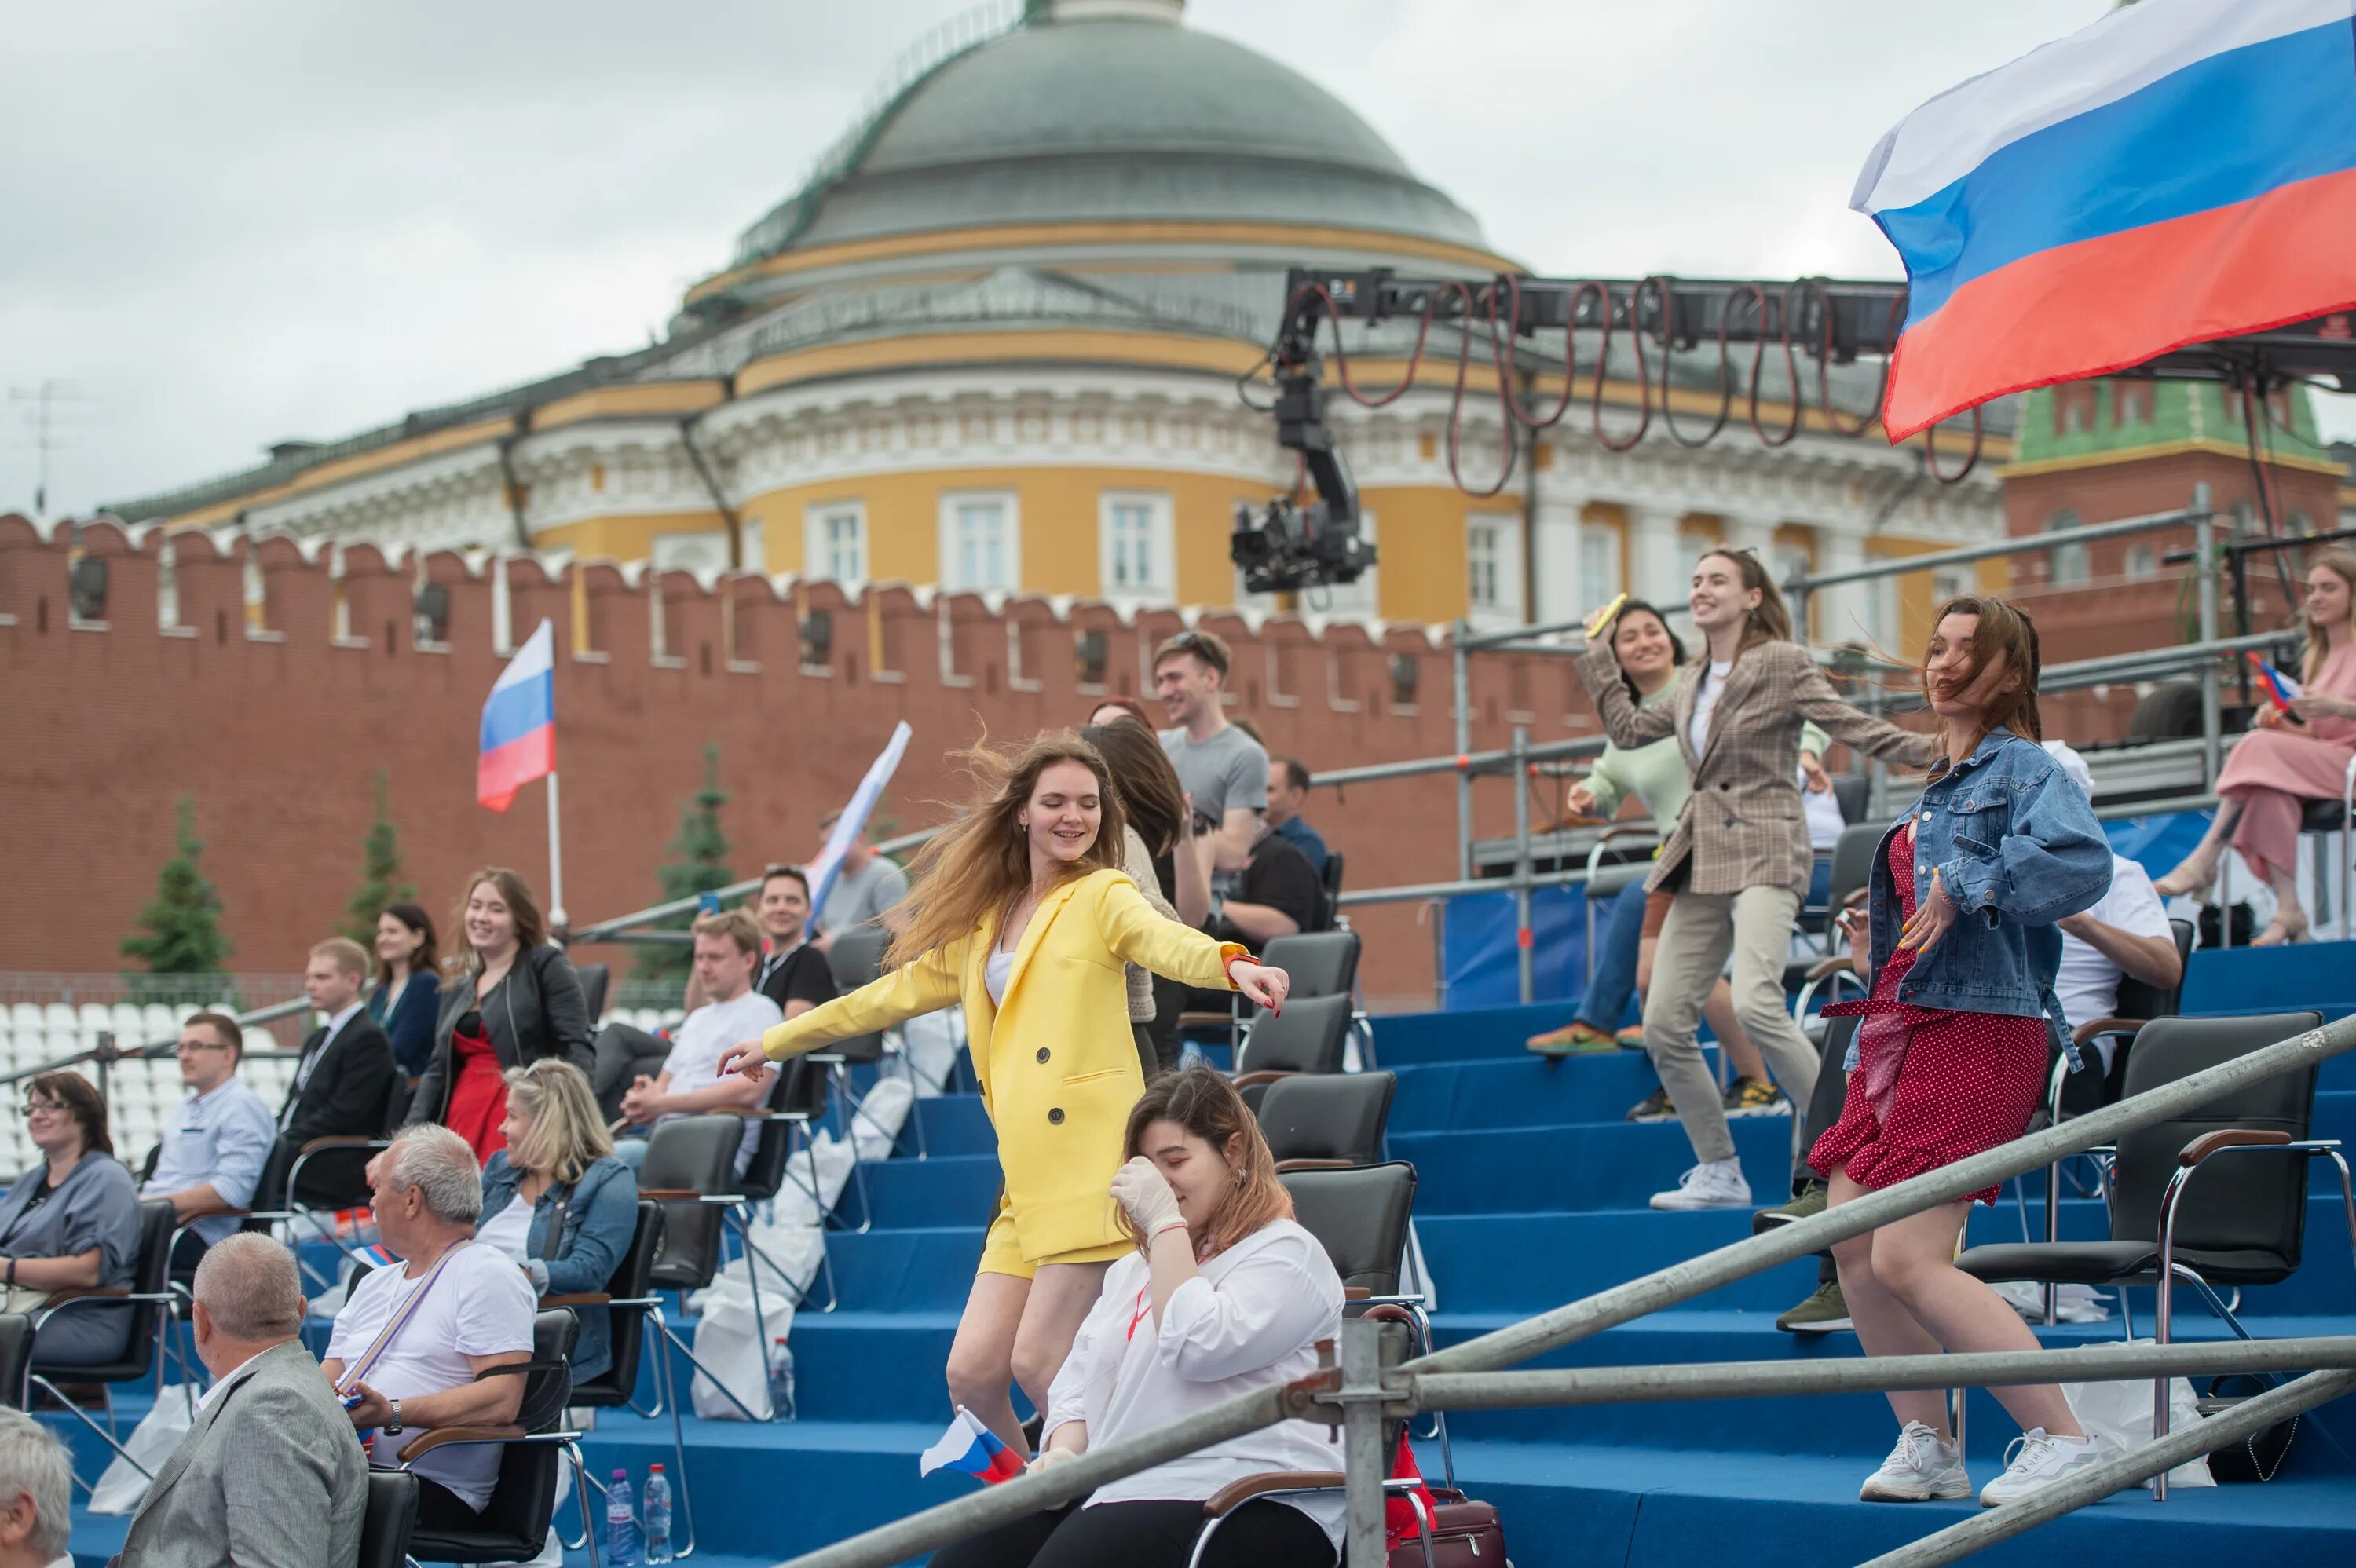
x,y
727,952
472,1312
2125,934
215,1143
35,1495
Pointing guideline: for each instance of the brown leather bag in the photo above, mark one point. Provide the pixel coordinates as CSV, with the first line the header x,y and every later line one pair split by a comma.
x,y
1464,1534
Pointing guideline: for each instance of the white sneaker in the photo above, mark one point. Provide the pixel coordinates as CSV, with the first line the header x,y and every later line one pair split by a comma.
x,y
2035,1461
1922,1467
1716,1184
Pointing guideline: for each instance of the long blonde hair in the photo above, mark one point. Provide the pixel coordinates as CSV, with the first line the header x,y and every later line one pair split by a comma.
x,y
980,864
2342,564
1771,621
566,1132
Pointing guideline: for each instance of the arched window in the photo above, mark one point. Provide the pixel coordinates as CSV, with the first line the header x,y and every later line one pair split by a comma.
x,y
2065,564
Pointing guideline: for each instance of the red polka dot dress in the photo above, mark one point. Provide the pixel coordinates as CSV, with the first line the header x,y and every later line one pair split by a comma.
x,y
1931,1086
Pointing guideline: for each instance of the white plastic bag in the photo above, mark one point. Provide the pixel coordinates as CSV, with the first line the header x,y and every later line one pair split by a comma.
x,y
122,1488
2121,1412
876,1127
727,1342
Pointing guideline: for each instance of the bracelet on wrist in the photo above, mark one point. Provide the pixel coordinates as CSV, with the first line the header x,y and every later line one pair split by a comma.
x,y
1229,968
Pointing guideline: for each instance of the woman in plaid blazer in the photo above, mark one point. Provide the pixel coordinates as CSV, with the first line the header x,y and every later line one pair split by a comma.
x,y
1738,859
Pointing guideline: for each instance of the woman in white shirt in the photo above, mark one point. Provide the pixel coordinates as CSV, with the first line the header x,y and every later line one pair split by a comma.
x,y
1225,1294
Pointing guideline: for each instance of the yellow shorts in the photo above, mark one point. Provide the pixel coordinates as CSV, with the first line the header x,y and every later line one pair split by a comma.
x,y
1002,1253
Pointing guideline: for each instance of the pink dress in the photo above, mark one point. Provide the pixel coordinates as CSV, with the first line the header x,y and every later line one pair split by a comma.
x,y
2272,770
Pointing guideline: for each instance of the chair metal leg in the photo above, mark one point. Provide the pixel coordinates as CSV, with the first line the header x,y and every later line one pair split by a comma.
x,y
688,1351
35,1380
581,1491
665,1377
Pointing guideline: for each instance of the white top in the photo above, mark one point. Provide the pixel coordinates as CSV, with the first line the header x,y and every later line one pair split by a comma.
x,y
508,1231
996,973
2087,983
696,1049
481,1305
1822,809
222,1138
1714,682
1249,1321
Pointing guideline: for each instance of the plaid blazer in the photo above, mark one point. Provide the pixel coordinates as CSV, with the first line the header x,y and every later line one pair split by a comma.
x,y
1742,826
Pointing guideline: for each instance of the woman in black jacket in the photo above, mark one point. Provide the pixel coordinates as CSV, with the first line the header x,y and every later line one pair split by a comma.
x,y
519,1002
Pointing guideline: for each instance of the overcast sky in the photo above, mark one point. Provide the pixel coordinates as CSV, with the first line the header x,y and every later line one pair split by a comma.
x,y
229,224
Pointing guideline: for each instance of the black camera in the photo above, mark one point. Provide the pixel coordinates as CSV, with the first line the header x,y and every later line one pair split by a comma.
x,y
1281,548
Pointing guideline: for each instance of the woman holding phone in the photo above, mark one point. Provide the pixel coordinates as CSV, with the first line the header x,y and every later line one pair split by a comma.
x,y
2291,757
1020,911
1738,861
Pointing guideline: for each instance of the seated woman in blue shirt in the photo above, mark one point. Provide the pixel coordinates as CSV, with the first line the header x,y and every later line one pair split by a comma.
x,y
556,1200
408,994
71,1222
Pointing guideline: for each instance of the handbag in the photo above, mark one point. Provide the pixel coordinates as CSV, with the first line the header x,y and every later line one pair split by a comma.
x,y
1463,1533
2257,1458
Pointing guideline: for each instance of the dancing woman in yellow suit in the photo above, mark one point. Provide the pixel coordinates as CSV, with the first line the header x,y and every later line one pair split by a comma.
x,y
1019,910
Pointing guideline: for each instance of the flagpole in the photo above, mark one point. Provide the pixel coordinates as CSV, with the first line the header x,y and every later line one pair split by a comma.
x,y
556,916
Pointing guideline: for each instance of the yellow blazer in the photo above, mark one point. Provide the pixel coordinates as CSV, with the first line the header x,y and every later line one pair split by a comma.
x,y
1057,1063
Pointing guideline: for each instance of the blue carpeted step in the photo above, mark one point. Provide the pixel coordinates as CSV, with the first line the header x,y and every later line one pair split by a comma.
x,y
947,1189
1584,1166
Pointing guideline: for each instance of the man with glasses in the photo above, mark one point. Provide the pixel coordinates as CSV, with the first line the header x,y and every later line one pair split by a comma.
x,y
1223,770
215,1143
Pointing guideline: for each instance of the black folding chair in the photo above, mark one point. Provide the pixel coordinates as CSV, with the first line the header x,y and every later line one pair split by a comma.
x,y
1327,1121
1309,1036
690,1171
789,1117
390,1519
855,959
629,1302
144,1300
514,1523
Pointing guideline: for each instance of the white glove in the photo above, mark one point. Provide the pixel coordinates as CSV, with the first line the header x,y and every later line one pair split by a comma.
x,y
1049,1457
1140,1189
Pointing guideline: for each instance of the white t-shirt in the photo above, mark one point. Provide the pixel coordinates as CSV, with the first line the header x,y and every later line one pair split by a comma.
x,y
1822,809
508,1231
481,1304
1249,1321
2087,983
1706,699
696,1049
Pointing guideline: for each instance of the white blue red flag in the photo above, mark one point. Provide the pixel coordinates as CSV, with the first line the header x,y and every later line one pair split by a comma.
x,y
971,1446
853,820
2178,171
2281,689
519,723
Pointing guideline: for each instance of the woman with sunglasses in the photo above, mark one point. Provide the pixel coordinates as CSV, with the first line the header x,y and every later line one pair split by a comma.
x,y
1739,862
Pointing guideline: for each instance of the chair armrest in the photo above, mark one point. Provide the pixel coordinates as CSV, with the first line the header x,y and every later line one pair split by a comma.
x,y
1265,1075
2094,1028
578,1298
1386,1312
1235,1493
88,1293
1284,1165
1355,1293
355,1140
442,1436
1202,1018
2207,1144
672,1194
1823,969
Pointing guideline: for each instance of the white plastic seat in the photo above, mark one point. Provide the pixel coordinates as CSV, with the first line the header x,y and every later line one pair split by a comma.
x,y
96,1015
130,1025
58,1043
59,1015
25,1018
157,1022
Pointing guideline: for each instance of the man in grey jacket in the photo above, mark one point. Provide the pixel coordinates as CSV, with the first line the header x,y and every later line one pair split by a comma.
x,y
270,1474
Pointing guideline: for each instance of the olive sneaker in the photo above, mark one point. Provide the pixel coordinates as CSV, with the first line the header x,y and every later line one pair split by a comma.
x,y
1811,1201
1822,1313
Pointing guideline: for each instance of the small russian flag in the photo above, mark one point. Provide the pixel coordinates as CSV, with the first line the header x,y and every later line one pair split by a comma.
x,y
375,1256
2281,689
518,735
971,1446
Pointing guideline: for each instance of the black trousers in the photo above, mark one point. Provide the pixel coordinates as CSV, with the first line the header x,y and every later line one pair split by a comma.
x,y
1262,1533
1825,1107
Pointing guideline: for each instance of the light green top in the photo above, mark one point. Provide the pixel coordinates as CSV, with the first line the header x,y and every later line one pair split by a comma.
x,y
1656,773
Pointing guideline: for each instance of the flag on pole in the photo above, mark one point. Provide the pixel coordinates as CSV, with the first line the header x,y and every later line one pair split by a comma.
x,y
2281,689
2178,171
519,742
971,1446
853,820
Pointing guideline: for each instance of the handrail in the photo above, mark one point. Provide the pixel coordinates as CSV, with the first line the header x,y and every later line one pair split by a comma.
x,y
107,1055
653,912
937,1526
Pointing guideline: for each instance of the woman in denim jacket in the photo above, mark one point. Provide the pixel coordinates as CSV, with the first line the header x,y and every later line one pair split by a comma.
x,y
556,1200
1952,1047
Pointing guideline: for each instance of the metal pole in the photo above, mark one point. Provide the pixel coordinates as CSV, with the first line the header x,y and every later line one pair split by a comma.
x,y
1524,953
2099,1481
1753,1380
1437,909
1682,1282
2204,551
2010,545
557,919
1362,1439
1463,679
103,1057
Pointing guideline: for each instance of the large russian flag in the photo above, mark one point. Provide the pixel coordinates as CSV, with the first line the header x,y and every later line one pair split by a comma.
x,y
2179,171
520,722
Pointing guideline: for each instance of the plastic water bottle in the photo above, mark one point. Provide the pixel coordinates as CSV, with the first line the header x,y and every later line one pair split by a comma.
x,y
621,1527
781,1376
655,1507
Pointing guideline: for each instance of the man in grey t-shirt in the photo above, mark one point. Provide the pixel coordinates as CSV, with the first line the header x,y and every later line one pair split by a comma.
x,y
865,885
1225,770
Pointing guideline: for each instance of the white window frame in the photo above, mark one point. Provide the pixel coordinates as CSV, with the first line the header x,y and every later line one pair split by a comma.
x,y
952,580
1161,548
1498,566
1597,540
818,541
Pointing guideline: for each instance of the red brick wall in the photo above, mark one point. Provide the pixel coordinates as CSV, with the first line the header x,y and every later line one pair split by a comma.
x,y
276,736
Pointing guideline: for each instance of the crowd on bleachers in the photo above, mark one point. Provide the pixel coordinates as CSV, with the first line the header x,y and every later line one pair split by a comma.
x,y
1163,1238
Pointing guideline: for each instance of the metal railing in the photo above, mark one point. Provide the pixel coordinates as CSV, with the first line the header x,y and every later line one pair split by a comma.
x,y
1365,1389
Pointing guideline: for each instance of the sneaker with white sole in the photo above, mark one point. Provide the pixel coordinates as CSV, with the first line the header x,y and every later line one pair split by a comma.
x,y
2036,1460
1922,1467
1716,1184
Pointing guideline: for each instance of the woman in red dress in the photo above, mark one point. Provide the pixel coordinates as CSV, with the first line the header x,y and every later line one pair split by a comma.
x,y
2288,760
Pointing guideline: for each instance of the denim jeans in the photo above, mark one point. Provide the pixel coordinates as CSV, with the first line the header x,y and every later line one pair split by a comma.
x,y
1608,994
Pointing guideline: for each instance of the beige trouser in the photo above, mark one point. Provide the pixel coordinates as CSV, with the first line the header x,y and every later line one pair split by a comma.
x,y
1755,925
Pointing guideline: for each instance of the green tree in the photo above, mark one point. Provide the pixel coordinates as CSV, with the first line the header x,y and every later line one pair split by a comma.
x,y
696,861
179,931
380,882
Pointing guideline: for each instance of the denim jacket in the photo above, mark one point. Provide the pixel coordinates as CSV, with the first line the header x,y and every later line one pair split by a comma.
x,y
2017,847
598,1224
